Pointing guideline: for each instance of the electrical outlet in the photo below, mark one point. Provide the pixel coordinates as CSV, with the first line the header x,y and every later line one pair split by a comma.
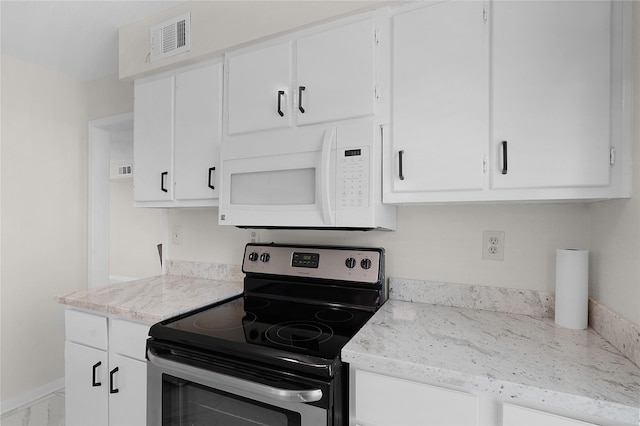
x,y
493,245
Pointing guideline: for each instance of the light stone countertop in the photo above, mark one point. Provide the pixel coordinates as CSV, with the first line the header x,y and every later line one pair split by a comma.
x,y
515,357
150,300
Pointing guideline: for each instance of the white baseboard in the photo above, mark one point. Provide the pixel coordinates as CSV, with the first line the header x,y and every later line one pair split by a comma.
x,y
30,396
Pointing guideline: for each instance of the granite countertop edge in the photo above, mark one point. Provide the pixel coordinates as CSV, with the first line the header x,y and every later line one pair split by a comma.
x,y
153,299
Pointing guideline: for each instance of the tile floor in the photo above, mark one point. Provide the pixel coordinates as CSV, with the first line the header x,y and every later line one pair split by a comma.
x,y
46,411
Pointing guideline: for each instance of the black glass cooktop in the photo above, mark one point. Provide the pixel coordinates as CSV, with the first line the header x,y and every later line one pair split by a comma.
x,y
268,327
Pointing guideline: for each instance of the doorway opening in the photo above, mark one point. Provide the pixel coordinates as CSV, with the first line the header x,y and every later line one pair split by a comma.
x,y
122,239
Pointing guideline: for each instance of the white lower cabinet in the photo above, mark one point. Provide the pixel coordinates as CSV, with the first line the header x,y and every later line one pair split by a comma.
x,y
105,371
513,415
127,403
86,381
383,400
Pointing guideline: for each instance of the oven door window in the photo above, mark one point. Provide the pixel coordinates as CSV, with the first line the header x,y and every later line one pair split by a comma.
x,y
185,403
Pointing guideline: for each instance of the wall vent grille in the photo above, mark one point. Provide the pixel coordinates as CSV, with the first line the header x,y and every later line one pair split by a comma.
x,y
170,38
121,171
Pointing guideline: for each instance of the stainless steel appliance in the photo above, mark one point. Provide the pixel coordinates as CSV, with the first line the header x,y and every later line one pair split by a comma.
x,y
270,356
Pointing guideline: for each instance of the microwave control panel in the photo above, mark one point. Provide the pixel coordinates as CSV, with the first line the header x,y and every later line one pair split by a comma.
x,y
353,177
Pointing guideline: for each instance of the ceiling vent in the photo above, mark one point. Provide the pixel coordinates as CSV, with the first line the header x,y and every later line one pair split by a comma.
x,y
171,37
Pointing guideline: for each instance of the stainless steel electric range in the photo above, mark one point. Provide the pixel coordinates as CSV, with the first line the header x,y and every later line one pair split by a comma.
x,y
270,356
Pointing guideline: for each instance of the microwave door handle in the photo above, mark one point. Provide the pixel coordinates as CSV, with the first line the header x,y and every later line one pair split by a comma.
x,y
213,378
325,177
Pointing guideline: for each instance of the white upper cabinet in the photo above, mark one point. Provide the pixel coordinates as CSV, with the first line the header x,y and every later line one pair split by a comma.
x,y
177,133
551,87
336,78
509,101
311,77
153,139
198,130
438,103
259,89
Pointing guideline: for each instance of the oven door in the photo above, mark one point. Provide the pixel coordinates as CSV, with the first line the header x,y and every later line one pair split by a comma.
x,y
179,393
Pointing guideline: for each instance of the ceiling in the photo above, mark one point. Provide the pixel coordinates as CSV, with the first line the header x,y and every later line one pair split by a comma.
x,y
75,37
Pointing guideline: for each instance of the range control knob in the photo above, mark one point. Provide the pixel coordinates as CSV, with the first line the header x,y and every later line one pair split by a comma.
x,y
365,263
264,257
253,256
350,262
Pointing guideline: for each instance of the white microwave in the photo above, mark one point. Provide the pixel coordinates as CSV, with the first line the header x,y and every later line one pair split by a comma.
x,y
315,177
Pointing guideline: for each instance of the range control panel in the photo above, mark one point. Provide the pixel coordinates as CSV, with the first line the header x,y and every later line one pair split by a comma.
x,y
345,264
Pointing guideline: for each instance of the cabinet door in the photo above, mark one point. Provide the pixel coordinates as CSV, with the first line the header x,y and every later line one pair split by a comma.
x,y
335,73
551,85
128,391
513,415
198,117
258,89
86,385
438,99
152,140
382,400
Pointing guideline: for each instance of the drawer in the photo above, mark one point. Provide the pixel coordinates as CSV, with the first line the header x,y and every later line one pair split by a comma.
x,y
514,415
86,329
384,400
128,338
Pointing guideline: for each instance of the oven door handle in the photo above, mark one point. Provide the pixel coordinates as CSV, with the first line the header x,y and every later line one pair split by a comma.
x,y
284,395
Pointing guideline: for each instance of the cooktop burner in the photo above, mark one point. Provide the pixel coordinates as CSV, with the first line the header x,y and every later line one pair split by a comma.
x,y
306,329
300,306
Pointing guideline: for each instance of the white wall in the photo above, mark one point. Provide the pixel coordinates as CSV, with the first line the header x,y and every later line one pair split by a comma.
x,y
44,219
614,231
109,96
440,243
134,234
43,170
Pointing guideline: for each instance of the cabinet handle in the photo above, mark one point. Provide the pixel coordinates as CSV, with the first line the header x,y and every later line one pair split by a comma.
x,y
94,383
504,157
209,184
111,374
300,90
280,95
163,175
400,155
